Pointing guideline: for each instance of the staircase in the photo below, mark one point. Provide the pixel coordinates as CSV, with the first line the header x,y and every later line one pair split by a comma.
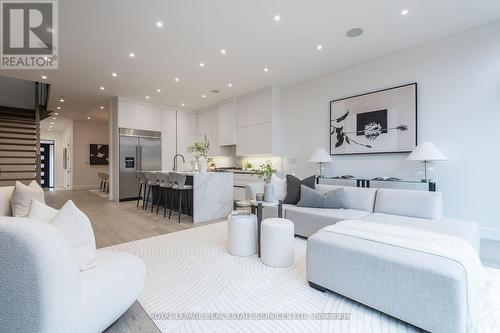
x,y
20,139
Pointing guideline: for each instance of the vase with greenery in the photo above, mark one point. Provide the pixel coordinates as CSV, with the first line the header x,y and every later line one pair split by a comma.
x,y
200,152
266,172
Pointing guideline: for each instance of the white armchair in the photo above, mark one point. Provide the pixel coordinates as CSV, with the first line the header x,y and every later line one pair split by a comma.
x,y
42,289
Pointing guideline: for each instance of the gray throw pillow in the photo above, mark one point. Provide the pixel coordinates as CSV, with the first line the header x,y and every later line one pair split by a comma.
x,y
293,188
314,199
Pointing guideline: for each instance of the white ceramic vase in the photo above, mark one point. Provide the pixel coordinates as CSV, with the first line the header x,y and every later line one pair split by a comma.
x,y
202,165
269,193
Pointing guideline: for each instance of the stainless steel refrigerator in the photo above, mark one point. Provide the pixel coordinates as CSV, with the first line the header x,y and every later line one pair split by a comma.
x,y
139,150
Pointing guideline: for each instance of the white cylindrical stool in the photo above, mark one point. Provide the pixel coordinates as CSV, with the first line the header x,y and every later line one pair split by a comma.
x,y
277,242
242,231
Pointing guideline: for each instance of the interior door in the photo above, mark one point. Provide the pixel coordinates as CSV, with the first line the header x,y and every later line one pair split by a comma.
x,y
128,166
150,154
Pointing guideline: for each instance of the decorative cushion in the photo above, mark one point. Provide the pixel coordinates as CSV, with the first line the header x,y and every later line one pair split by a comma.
x,y
315,199
279,186
5,198
76,227
293,188
41,212
22,196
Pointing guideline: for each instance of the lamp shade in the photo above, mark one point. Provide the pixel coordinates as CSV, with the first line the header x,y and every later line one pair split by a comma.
x,y
320,155
426,151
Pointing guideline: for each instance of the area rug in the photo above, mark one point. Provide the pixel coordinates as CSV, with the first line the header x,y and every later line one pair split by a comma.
x,y
100,193
194,285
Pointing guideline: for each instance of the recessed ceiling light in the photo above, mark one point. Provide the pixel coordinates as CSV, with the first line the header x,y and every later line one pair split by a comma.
x,y
223,51
319,47
102,107
159,24
101,87
131,55
158,90
229,85
114,74
203,96
52,123
44,77
88,118
202,64
353,33
147,97
61,99
56,114
277,18
50,129
405,12
266,69
59,108
176,79
183,104
54,118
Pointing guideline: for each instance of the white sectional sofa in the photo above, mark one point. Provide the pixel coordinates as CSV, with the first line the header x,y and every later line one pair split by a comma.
x,y
417,209
42,288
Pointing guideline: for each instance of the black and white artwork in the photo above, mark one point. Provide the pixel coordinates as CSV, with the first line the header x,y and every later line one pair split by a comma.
x,y
99,154
383,121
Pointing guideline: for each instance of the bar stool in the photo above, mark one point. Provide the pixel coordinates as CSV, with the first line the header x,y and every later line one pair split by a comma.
x,y
105,176
142,183
165,184
152,182
101,179
178,185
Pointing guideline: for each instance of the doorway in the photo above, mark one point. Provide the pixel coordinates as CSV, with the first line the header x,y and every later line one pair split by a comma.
x,y
47,163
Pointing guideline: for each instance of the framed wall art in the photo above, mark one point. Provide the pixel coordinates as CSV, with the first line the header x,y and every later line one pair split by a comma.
x,y
383,121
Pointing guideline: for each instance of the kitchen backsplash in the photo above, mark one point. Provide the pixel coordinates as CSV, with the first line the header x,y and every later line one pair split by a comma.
x,y
238,161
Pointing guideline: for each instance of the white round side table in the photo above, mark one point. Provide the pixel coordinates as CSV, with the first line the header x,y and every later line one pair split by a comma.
x,y
242,233
277,242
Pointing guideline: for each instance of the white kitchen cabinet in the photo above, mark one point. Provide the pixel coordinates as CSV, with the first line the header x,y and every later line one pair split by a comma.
x,y
226,124
259,123
207,126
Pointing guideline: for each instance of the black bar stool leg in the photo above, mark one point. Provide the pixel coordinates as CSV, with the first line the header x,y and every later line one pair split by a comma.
x,y
153,199
147,197
139,195
172,203
165,204
180,205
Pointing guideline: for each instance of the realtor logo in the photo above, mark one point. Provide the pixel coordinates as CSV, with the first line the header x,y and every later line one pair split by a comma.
x,y
29,34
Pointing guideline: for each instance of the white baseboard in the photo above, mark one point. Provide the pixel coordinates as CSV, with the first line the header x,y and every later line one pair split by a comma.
x,y
490,233
85,187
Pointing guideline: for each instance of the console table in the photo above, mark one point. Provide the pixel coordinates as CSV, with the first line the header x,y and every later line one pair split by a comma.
x,y
363,182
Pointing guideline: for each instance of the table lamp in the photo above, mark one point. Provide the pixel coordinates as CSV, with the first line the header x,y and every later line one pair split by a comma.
x,y
426,152
320,156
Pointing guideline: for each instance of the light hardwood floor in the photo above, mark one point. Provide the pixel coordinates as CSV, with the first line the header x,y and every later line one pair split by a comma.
x,y
116,223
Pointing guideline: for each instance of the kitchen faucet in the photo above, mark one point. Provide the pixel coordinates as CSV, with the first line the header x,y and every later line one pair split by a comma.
x,y
175,161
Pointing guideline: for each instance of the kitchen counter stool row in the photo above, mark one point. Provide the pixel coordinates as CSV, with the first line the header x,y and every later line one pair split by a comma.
x,y
167,189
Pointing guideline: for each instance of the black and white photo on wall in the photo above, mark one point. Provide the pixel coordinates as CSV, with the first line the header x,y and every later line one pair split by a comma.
x,y
99,154
383,121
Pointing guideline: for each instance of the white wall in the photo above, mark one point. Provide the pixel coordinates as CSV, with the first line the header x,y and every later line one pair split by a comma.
x,y
458,109
85,133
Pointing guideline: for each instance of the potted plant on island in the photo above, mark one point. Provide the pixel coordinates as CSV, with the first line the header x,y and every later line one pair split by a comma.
x,y
266,171
200,152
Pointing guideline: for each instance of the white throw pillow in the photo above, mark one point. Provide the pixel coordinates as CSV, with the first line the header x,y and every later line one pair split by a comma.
x,y
279,186
5,200
22,195
41,212
76,227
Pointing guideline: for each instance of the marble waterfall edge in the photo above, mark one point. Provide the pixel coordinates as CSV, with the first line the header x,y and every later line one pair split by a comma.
x,y
212,196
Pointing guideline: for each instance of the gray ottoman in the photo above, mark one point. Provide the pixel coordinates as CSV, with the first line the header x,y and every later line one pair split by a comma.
x,y
424,290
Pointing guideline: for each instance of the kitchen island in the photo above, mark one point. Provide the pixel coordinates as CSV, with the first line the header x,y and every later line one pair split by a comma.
x,y
212,196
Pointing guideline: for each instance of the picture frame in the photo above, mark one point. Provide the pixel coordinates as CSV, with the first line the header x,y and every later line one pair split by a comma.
x,y
377,122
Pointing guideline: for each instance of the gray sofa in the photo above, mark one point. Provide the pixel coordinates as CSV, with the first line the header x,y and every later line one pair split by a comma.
x,y
417,209
425,290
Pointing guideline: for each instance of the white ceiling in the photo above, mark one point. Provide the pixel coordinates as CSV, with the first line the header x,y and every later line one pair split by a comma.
x,y
96,37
